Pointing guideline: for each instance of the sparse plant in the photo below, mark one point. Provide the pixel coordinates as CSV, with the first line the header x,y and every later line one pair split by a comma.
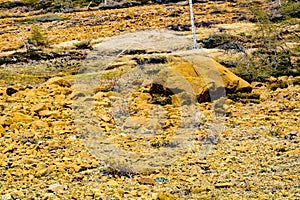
x,y
119,169
37,37
86,44
290,9
271,56
29,2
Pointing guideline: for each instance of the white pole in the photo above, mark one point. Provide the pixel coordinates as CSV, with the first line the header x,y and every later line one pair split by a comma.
x,y
193,24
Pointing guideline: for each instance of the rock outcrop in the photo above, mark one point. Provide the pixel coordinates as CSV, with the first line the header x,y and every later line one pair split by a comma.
x,y
200,76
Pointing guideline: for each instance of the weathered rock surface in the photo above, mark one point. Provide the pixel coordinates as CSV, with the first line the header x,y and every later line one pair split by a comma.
x,y
58,81
40,147
202,77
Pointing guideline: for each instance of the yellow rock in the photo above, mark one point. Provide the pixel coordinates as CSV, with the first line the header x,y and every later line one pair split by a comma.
x,y
112,183
272,79
295,152
30,161
58,81
164,196
42,172
39,124
20,117
2,130
276,177
224,185
107,129
199,190
199,76
48,113
38,107
142,97
154,195
105,118
56,187
99,96
10,148
146,181
76,168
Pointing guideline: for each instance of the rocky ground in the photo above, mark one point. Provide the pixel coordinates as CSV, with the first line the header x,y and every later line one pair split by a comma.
x,y
254,155
52,113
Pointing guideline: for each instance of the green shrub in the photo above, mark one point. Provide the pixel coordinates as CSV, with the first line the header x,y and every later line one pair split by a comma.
x,y
290,9
37,38
271,56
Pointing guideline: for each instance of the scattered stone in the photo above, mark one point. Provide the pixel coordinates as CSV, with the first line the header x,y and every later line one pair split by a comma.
x,y
134,122
5,121
165,196
56,187
39,124
2,130
272,79
10,91
58,81
105,118
7,197
42,172
198,190
224,185
48,113
259,140
146,181
161,180
20,117
38,107
112,183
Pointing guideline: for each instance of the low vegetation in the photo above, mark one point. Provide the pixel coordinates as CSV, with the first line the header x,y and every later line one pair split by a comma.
x,y
265,52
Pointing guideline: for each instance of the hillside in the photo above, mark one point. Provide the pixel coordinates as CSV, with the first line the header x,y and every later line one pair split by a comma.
x,y
111,101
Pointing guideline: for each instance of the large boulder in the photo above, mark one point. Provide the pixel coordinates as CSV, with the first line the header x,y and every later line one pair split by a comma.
x,y
58,81
200,76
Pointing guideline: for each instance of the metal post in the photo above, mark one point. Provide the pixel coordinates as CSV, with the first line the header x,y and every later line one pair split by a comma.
x,y
193,24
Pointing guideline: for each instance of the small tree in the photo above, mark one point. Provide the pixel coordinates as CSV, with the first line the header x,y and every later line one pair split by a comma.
x,y
37,37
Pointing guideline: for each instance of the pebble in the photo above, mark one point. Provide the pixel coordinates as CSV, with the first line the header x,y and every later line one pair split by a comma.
x,y
6,197
56,187
224,185
112,183
146,181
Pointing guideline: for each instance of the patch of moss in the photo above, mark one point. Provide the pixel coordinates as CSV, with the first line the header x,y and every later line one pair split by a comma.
x,y
111,75
253,97
281,85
